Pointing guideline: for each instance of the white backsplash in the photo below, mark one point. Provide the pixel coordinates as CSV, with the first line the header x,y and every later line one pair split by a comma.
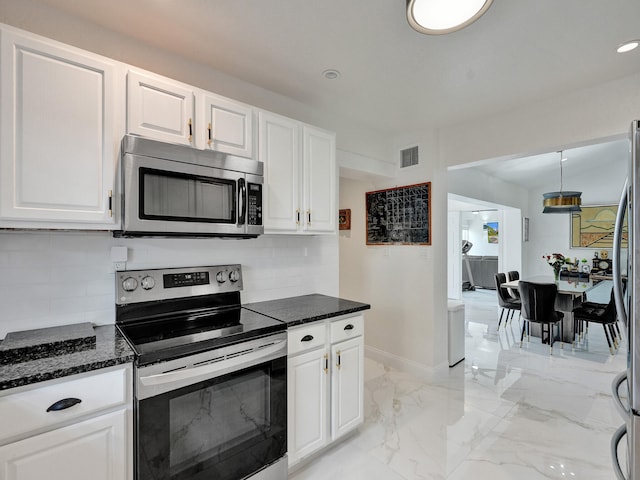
x,y
55,278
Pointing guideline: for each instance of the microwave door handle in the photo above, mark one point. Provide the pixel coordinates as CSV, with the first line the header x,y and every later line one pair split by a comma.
x,y
618,294
242,207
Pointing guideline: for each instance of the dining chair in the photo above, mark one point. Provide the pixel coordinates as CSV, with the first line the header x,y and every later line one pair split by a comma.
x,y
538,306
505,301
511,276
602,313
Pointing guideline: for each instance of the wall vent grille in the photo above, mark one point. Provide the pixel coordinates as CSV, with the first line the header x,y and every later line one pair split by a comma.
x,y
409,157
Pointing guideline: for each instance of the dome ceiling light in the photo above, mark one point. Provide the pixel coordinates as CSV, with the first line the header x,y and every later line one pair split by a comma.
x,y
561,202
437,17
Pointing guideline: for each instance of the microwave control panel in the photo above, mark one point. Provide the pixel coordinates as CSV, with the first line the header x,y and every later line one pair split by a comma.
x,y
254,213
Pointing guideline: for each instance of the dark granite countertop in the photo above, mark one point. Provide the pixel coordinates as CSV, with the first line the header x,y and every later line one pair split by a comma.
x,y
31,366
306,308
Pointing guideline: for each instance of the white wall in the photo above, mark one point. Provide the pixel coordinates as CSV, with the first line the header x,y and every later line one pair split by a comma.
x,y
473,225
56,278
550,233
407,324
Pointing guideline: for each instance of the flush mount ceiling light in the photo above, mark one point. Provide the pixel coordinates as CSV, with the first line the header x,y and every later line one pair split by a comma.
x,y
561,202
437,17
628,46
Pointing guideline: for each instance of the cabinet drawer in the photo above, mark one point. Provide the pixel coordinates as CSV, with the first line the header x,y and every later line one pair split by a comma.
x,y
307,338
26,411
347,328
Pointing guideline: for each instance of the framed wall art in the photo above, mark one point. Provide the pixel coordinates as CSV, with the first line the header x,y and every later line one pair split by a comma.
x,y
400,215
344,219
593,227
492,231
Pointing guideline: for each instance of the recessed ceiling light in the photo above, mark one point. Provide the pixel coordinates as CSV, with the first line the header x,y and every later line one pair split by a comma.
x,y
436,17
628,46
331,74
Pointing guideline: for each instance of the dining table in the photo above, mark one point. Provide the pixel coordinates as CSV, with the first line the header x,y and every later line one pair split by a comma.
x,y
572,290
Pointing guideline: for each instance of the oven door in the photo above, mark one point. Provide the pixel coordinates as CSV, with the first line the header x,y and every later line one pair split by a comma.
x,y
227,426
165,196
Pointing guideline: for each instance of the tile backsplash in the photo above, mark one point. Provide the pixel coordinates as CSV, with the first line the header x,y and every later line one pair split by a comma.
x,y
50,278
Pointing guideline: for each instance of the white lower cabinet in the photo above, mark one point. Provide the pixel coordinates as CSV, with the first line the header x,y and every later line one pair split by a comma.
x,y
347,386
91,438
325,383
89,449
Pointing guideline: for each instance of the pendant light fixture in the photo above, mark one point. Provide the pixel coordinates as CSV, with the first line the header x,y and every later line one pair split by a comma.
x,y
561,202
437,17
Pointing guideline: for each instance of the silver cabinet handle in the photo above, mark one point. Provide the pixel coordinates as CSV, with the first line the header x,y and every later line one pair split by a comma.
x,y
617,245
615,441
624,411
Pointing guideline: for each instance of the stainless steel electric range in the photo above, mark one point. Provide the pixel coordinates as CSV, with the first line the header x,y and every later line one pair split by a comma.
x,y
210,376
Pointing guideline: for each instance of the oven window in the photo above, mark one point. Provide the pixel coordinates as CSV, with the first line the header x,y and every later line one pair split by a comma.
x,y
225,428
175,196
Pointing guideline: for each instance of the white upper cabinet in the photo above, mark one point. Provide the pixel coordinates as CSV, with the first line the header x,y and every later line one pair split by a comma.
x,y
60,128
170,111
279,150
160,108
319,169
225,125
300,176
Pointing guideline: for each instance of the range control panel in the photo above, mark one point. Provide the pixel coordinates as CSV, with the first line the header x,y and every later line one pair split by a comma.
x,y
135,286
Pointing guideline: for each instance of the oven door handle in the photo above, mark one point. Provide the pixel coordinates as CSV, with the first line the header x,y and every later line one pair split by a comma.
x,y
232,363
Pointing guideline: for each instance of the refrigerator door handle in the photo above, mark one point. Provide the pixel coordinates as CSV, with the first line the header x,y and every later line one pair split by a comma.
x,y
617,245
625,411
615,441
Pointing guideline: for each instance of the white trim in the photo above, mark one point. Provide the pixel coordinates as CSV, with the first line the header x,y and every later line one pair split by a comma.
x,y
423,372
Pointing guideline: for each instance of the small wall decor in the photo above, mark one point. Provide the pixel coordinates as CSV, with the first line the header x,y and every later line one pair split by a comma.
x,y
492,231
525,229
593,227
399,215
344,219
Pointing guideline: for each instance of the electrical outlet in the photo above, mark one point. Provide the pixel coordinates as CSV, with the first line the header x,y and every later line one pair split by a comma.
x,y
119,266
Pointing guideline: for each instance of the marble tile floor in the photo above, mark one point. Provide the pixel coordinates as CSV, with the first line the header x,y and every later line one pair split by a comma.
x,y
505,412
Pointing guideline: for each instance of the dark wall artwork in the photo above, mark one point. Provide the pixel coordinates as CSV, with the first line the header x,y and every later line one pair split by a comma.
x,y
400,215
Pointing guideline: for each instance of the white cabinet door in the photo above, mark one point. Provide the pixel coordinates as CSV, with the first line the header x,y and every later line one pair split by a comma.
x,y
347,382
279,145
60,128
94,449
320,180
307,403
225,125
160,108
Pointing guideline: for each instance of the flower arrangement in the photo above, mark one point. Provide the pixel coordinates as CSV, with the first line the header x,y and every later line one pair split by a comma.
x,y
556,260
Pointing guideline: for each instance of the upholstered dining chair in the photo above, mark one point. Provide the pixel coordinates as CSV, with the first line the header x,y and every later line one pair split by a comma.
x,y
538,306
605,315
511,276
505,301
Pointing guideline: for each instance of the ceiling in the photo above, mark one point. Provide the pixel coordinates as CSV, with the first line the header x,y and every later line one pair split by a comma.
x,y
393,79
544,170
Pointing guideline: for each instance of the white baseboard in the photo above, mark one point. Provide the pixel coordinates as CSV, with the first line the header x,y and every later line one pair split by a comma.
x,y
420,370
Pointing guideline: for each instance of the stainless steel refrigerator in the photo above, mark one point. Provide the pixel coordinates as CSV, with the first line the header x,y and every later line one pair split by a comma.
x,y
626,275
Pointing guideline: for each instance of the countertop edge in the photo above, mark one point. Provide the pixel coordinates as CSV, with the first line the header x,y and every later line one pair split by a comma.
x,y
63,372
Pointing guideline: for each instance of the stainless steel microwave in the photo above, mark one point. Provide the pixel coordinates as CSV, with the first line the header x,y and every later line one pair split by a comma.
x,y
175,190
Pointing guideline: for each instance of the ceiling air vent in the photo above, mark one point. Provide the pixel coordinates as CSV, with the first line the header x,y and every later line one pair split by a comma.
x,y
409,157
